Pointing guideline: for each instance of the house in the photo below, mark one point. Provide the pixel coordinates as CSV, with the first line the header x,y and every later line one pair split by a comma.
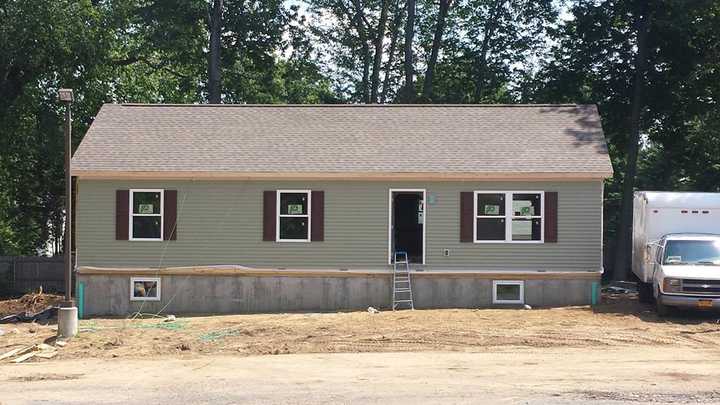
x,y
259,208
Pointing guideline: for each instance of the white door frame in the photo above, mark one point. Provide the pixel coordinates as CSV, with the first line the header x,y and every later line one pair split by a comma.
x,y
390,217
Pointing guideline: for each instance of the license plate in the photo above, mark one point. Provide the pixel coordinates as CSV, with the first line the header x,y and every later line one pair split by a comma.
x,y
704,304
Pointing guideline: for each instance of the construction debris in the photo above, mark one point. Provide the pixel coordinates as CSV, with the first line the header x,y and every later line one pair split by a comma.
x,y
42,350
32,303
25,357
616,290
373,310
14,352
526,306
44,315
169,318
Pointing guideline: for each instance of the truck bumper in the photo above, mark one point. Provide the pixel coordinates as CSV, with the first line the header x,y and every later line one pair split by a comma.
x,y
684,301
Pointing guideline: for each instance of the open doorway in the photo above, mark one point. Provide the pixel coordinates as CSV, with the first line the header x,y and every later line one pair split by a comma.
x,y
407,224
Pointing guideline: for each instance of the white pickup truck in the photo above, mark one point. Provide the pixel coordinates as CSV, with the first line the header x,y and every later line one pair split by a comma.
x,y
676,249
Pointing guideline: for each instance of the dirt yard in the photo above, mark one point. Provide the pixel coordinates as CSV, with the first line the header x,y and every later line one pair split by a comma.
x,y
620,322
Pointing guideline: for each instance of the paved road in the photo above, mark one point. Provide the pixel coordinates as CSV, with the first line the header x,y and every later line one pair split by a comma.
x,y
528,376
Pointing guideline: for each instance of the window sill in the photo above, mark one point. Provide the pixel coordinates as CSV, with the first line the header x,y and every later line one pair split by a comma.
x,y
292,240
145,240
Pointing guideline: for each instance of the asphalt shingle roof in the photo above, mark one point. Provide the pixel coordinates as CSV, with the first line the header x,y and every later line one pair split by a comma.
x,y
488,139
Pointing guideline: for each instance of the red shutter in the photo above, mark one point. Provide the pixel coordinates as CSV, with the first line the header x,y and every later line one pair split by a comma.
x,y
122,214
317,216
551,216
269,206
170,215
466,216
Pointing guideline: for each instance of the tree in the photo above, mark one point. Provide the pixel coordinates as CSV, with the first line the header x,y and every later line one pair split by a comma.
x,y
483,48
214,78
408,92
594,62
377,58
641,62
392,50
436,44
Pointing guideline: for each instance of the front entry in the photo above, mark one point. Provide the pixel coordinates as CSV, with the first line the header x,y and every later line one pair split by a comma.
x,y
407,224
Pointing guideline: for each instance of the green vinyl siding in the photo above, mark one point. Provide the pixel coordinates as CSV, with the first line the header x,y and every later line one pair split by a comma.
x,y
220,222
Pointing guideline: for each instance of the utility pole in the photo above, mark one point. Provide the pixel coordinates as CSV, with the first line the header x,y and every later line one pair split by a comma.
x,y
67,315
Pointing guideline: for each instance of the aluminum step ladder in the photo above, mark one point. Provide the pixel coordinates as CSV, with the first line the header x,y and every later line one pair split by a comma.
x,y
402,289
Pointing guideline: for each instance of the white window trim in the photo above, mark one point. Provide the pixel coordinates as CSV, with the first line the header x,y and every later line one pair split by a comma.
x,y
278,215
143,279
131,214
390,214
508,217
495,299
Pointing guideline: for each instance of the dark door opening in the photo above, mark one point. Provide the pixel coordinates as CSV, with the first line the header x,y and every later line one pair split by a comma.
x,y
408,219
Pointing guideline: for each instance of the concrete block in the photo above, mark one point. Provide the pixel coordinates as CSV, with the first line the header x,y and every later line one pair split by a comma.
x,y
483,293
379,292
534,292
554,293
358,293
110,295
578,292
312,293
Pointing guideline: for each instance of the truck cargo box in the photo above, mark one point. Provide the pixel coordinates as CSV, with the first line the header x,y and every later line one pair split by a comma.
x,y
656,214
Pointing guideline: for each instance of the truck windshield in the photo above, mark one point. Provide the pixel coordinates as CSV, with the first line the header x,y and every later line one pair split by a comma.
x,y
692,252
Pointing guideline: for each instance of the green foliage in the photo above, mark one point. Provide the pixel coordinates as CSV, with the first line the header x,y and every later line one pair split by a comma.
x,y
123,51
323,51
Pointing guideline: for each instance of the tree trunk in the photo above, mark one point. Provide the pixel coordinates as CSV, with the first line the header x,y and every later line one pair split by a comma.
x,y
378,52
638,104
408,95
214,90
391,51
362,36
437,43
481,62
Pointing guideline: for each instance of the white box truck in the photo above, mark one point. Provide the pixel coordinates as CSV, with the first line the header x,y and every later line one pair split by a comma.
x,y
676,249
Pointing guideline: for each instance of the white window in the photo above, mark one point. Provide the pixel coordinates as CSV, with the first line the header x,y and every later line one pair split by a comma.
x,y
144,289
509,216
293,216
146,214
508,292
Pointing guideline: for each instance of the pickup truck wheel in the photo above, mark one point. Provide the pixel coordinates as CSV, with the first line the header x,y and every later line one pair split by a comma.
x,y
662,309
645,293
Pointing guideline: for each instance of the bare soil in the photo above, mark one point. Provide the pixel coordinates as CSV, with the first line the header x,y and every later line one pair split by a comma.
x,y
619,322
632,375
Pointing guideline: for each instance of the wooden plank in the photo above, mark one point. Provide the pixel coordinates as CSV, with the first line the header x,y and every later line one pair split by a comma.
x,y
252,272
25,357
47,354
15,352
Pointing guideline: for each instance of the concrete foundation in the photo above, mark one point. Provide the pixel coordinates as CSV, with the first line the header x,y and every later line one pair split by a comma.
x,y
67,322
213,294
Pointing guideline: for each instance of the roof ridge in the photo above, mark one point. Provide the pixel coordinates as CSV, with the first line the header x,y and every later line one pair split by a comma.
x,y
352,105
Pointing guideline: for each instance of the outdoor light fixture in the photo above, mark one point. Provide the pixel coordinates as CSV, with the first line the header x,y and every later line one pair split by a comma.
x,y
65,95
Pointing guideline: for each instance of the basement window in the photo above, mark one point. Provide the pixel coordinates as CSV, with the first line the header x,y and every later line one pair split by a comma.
x,y
146,214
506,216
144,289
293,222
508,292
